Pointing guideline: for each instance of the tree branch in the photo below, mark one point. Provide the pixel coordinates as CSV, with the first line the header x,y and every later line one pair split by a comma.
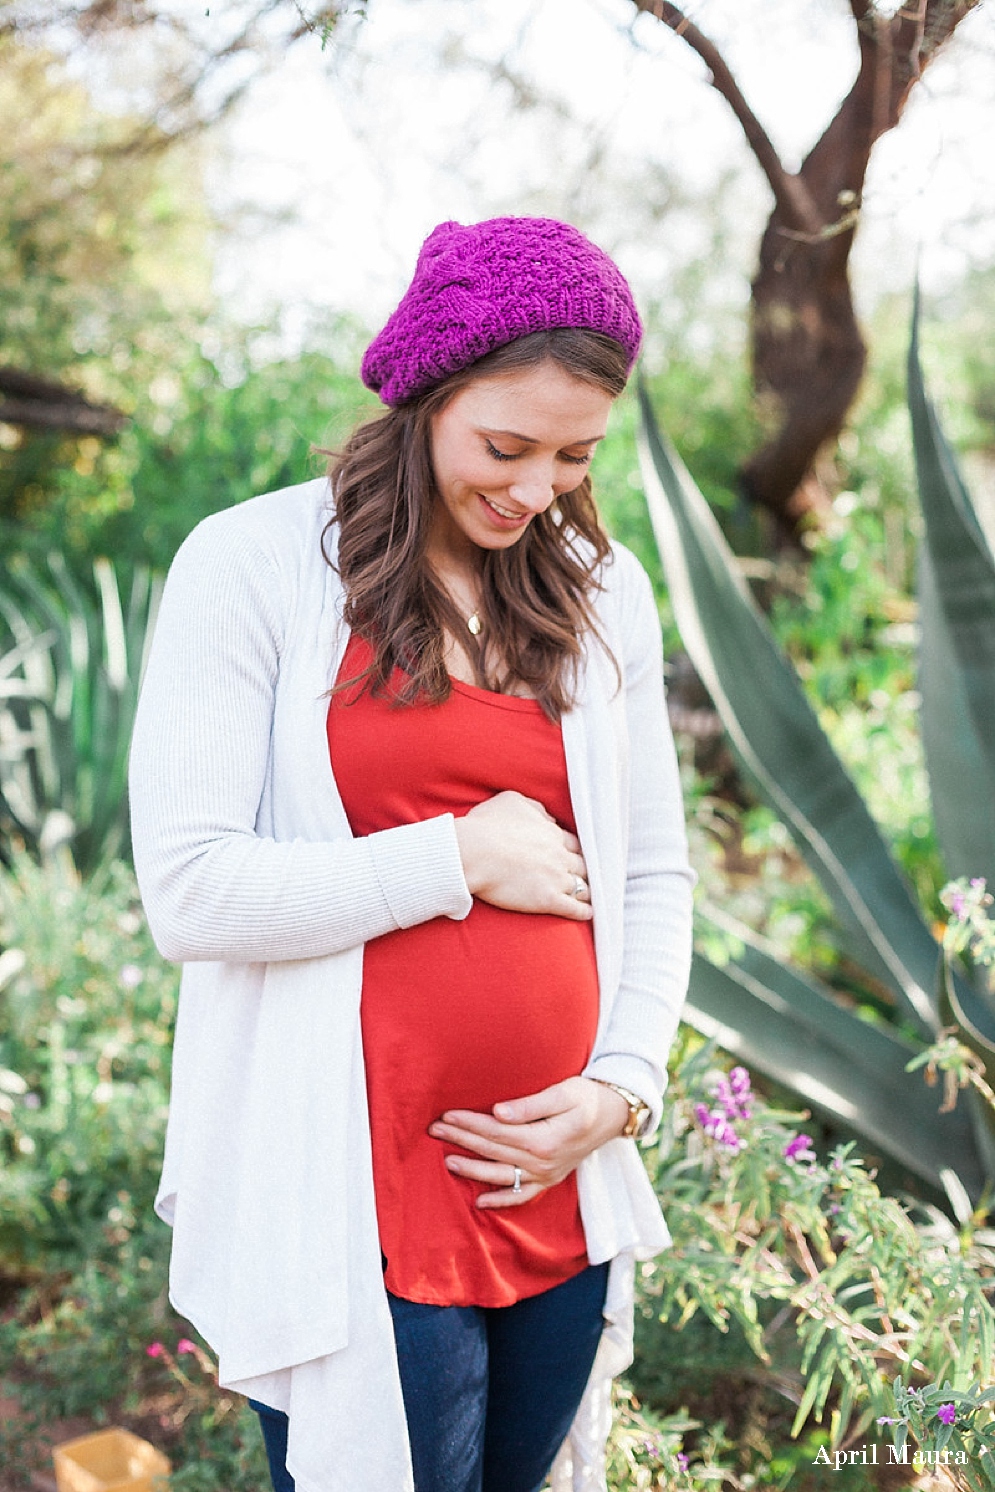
x,y
790,192
39,404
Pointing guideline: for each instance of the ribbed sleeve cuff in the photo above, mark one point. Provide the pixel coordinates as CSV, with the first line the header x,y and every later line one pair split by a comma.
x,y
420,871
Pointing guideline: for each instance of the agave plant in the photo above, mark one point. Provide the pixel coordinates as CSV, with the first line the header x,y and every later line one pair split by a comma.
x,y
71,655
771,1016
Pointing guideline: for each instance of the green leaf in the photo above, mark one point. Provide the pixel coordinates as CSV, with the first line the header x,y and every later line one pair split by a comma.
x,y
957,650
961,785
776,735
71,655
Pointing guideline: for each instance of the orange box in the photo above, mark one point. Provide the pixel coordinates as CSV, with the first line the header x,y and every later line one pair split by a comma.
x,y
110,1461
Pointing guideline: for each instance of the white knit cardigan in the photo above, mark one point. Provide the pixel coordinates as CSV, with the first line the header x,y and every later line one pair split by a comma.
x,y
252,879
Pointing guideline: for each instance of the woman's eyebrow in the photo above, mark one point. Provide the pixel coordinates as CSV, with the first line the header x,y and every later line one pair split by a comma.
x,y
530,440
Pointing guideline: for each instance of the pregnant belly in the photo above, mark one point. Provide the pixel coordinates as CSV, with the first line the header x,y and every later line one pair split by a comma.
x,y
464,1014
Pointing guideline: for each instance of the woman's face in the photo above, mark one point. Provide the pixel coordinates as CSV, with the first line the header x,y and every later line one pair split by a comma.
x,y
503,449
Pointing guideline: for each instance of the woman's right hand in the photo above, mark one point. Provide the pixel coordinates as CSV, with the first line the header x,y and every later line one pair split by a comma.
x,y
516,856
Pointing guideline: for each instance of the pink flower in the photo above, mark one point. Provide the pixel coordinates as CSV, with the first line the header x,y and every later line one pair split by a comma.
x,y
799,1148
946,1414
185,1345
155,1349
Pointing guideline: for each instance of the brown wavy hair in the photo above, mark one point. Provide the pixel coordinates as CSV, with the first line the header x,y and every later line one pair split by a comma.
x,y
536,595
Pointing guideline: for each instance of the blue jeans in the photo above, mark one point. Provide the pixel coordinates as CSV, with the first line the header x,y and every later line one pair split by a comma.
x,y
489,1393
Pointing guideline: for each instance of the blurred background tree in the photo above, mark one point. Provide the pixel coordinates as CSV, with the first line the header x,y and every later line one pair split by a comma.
x,y
104,267
808,353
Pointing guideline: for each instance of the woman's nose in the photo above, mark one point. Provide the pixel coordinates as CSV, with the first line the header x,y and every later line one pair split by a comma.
x,y
534,491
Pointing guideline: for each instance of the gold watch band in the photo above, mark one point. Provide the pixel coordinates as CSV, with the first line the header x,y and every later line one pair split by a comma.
x,y
638,1109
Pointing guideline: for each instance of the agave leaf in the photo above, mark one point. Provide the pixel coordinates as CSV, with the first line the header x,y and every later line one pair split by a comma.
x,y
776,735
18,656
787,1027
962,786
957,656
68,705
936,464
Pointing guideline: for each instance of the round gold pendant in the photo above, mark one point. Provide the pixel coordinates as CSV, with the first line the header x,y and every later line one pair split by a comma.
x,y
474,623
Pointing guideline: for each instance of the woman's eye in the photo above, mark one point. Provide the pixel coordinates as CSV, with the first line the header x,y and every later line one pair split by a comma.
x,y
492,450
576,460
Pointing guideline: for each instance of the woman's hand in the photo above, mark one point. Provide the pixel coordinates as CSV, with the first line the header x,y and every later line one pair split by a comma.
x,y
544,1136
516,856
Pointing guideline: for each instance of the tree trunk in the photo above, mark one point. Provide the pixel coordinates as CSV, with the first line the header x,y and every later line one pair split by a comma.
x,y
807,350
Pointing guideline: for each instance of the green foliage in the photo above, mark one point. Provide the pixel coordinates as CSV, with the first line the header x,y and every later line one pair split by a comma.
x,y
211,432
835,1286
103,257
218,438
71,652
86,1009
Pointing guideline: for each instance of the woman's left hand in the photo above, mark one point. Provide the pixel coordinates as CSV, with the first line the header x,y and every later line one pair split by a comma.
x,y
543,1136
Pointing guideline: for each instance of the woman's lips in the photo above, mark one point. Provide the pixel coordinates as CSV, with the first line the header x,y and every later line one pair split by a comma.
x,y
504,516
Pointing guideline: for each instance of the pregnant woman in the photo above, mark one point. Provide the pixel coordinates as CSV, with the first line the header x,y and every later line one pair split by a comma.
x,y
405,805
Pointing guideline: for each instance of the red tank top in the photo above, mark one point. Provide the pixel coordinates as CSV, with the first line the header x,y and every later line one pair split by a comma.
x,y
462,1014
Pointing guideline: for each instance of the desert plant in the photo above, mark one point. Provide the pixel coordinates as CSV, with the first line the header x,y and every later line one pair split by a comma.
x,y
71,655
787,1024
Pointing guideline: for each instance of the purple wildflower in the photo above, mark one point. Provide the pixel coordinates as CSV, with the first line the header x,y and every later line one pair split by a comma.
x,y
715,1124
958,904
734,1095
682,1461
799,1148
887,1419
946,1414
739,1082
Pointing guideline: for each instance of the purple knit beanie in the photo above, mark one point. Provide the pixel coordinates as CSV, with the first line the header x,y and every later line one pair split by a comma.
x,y
479,287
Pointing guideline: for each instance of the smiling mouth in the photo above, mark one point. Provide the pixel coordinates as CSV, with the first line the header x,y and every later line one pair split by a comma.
x,y
506,513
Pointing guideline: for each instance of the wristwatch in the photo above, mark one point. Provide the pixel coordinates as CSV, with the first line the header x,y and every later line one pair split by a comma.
x,y
639,1111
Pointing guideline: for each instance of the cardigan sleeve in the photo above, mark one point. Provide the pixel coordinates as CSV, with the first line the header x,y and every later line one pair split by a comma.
x,y
213,886
656,930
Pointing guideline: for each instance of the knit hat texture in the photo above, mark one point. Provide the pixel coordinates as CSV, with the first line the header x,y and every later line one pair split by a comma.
x,y
478,287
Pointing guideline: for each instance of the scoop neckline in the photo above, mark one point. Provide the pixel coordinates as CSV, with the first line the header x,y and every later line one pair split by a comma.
x,y
492,697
